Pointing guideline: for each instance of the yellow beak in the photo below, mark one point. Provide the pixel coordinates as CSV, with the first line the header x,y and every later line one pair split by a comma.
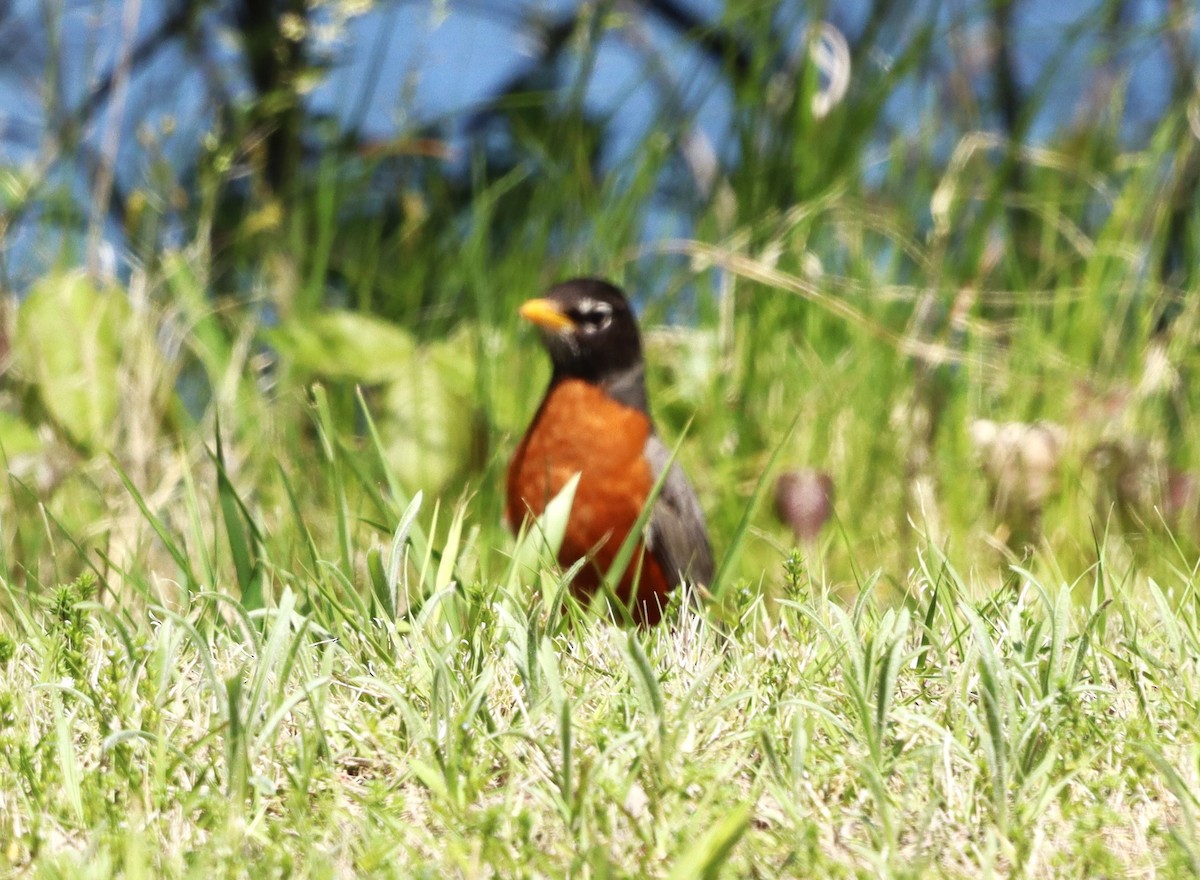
x,y
545,313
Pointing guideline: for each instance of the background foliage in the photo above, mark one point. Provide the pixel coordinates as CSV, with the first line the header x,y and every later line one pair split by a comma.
x,y
262,375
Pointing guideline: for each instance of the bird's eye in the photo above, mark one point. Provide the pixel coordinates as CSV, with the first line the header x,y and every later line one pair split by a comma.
x,y
593,315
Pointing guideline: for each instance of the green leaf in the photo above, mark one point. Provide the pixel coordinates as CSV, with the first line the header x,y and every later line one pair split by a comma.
x,y
245,540
642,672
350,346
68,759
70,342
546,533
428,420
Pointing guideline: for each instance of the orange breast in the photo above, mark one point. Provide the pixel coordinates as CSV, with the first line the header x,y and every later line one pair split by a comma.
x,y
580,429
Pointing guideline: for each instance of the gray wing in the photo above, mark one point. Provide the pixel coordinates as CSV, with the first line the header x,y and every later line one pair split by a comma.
x,y
677,535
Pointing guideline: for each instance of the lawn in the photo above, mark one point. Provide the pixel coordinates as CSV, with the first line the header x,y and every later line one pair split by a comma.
x,y
260,615
266,655
1028,732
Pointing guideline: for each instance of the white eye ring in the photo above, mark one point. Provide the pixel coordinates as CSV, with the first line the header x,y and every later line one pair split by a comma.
x,y
593,314
594,308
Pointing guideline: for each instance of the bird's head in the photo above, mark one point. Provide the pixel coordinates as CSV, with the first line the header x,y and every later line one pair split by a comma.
x,y
589,330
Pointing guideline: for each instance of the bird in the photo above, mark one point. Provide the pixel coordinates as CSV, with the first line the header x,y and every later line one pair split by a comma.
x,y
594,420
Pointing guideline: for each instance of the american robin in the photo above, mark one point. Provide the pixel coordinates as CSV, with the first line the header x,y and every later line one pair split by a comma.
x,y
594,421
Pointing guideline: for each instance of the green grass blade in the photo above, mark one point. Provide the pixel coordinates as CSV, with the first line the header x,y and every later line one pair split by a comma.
x,y
708,855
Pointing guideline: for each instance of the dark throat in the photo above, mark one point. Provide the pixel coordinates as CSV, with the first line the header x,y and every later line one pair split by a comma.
x,y
626,385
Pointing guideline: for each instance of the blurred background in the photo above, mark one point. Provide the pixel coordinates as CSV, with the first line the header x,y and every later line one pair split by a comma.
x,y
939,254
122,122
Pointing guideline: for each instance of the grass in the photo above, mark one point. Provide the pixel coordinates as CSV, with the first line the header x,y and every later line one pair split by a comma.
x,y
283,633
287,635
259,615
1023,734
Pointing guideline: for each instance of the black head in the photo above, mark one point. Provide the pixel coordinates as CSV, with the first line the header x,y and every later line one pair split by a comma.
x,y
589,329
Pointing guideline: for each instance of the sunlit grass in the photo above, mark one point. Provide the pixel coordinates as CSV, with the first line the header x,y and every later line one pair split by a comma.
x,y
259,614
1022,732
261,633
